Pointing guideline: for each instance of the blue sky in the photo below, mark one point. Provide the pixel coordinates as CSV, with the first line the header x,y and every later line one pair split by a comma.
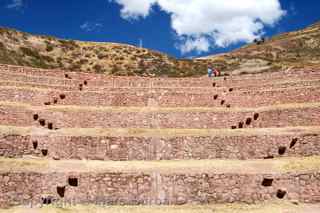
x,y
106,20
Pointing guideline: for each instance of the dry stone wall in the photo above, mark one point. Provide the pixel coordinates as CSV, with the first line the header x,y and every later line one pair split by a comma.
x,y
64,77
48,183
64,118
155,188
120,148
172,99
79,75
71,86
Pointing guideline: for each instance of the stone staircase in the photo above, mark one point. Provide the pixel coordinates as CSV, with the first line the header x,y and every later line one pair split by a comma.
x,y
77,138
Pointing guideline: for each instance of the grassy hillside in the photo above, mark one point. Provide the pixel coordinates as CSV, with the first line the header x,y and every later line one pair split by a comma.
x,y
289,50
20,48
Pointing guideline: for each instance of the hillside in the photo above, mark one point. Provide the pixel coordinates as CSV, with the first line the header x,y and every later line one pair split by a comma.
x,y
19,48
290,50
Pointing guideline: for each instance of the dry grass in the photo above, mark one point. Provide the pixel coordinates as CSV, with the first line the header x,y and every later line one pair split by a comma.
x,y
296,49
268,207
299,48
163,133
273,166
95,57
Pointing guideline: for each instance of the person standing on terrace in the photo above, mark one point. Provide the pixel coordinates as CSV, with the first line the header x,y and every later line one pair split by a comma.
x,y
210,71
216,72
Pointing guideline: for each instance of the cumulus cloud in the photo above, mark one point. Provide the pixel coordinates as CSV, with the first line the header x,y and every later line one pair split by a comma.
x,y
135,9
203,24
189,44
90,26
15,4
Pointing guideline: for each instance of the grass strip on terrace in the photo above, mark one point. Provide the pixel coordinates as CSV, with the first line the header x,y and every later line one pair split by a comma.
x,y
273,166
264,207
159,133
161,109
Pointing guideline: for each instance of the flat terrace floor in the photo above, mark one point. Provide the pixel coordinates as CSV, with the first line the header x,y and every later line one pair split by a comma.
x,y
273,166
76,108
131,132
268,207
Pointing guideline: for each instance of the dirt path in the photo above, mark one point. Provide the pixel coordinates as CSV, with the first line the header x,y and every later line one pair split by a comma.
x,y
274,166
272,207
131,132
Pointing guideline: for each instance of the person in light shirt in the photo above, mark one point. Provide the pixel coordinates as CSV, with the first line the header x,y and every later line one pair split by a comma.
x,y
210,71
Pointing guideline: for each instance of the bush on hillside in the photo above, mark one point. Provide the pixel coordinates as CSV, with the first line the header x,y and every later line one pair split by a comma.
x,y
30,52
98,68
49,48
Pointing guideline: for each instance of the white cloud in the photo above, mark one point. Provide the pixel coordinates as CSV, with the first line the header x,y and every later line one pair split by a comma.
x,y
15,4
135,9
204,24
199,44
90,26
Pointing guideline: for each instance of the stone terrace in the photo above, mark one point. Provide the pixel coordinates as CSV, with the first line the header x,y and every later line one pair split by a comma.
x,y
159,144
112,117
152,97
145,141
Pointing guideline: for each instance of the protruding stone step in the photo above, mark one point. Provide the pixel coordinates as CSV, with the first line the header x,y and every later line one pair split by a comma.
x,y
159,144
165,182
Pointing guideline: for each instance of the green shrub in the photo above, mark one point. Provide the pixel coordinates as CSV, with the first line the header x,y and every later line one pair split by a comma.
x,y
98,68
47,58
69,44
49,48
30,52
83,61
75,67
102,56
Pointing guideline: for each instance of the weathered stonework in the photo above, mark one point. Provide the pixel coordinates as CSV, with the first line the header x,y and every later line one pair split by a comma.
x,y
41,100
20,116
155,188
120,148
101,80
153,98
203,84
